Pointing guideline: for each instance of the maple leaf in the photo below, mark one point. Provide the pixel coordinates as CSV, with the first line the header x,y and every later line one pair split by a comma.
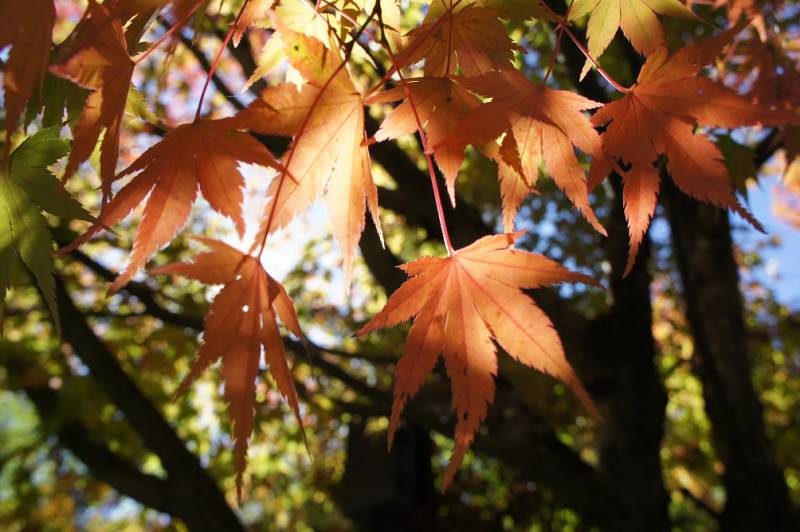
x,y
137,14
636,18
745,8
519,9
181,9
240,325
542,125
97,59
298,16
440,104
254,12
510,9
767,67
26,189
514,187
203,154
465,36
27,27
328,21
328,156
459,304
659,116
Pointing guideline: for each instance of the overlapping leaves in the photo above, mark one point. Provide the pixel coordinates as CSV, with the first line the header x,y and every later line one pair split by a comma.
x,y
241,326
659,116
638,20
328,156
541,125
468,94
97,59
203,155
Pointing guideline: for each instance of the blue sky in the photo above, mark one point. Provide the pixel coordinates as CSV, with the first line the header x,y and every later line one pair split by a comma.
x,y
782,272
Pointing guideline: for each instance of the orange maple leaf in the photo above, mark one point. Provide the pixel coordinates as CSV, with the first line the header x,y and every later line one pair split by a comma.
x,y
458,34
509,9
514,187
441,103
180,9
542,125
769,70
514,9
659,116
459,304
328,156
27,27
240,324
97,59
749,9
254,12
203,154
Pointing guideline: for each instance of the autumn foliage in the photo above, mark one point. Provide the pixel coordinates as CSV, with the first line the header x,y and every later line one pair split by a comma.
x,y
455,81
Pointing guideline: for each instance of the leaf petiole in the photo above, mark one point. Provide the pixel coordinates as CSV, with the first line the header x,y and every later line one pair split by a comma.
x,y
611,81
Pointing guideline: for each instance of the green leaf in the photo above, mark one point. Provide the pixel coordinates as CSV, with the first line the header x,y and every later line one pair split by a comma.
x,y
740,162
29,171
58,95
25,227
39,151
8,256
137,108
26,188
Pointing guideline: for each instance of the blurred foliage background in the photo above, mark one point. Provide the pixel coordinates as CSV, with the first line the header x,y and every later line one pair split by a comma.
x,y
537,458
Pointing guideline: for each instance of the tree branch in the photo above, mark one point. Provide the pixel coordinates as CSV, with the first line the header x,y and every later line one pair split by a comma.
x,y
201,504
106,465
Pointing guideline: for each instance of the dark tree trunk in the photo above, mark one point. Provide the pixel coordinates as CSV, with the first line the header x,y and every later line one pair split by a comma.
x,y
624,349
757,497
389,492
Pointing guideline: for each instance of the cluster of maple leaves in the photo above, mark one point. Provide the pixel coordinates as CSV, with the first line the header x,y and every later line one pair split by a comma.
x,y
467,93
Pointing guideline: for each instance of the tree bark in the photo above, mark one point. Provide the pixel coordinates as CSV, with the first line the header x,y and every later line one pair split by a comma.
x,y
389,491
756,493
634,401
